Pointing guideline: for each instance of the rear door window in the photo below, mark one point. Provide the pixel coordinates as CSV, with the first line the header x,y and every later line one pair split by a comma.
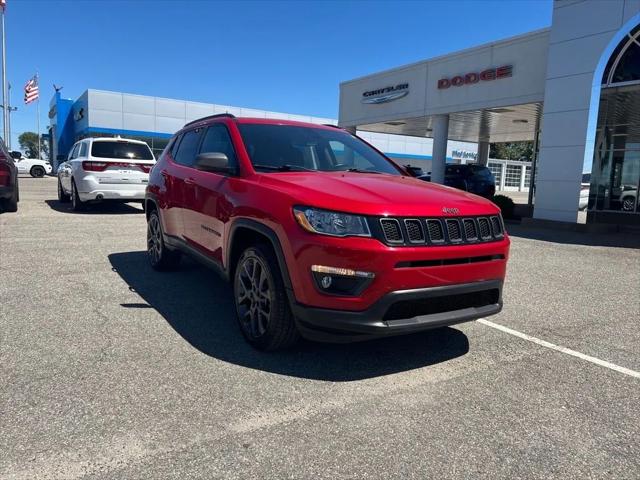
x,y
188,148
121,150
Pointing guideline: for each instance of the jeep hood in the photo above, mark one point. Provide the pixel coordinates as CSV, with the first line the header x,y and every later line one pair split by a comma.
x,y
375,194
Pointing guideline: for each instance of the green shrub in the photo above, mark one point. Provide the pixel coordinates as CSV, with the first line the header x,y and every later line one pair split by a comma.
x,y
506,205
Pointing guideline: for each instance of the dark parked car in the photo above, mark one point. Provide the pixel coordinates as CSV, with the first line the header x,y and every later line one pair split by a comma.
x,y
9,194
470,178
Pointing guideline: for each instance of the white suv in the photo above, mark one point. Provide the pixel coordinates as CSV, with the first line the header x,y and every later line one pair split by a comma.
x,y
105,169
34,167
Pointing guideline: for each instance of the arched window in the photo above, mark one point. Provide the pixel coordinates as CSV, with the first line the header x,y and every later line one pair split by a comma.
x,y
624,64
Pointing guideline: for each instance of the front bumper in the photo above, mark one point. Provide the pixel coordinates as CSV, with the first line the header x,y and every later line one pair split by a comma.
x,y
394,314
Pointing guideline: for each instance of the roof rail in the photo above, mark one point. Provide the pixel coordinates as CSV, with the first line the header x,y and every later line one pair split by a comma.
x,y
218,115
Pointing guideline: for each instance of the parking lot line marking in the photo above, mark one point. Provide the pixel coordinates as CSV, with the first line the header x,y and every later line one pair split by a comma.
x,y
568,351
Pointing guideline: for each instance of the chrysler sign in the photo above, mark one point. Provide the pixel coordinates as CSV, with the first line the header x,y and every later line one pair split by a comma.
x,y
386,94
475,77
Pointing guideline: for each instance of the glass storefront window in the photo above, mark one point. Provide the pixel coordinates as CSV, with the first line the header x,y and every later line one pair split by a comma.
x,y
496,169
527,177
512,176
616,172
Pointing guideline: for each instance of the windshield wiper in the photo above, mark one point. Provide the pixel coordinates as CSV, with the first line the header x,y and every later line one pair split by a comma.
x,y
283,168
357,170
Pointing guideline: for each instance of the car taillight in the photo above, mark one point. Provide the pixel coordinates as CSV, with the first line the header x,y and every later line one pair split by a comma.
x,y
94,166
145,168
5,174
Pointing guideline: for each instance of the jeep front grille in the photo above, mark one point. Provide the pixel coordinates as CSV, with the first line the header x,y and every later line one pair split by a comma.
x,y
436,234
391,230
470,229
437,231
415,232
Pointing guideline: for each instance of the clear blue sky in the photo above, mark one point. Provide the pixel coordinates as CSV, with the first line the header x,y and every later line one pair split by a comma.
x,y
282,56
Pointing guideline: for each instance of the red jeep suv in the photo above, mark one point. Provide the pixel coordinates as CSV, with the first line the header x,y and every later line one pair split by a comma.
x,y
321,235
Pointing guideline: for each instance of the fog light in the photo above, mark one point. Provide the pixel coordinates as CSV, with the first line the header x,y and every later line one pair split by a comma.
x,y
345,272
341,281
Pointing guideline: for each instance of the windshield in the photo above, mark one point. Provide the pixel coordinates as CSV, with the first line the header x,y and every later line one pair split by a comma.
x,y
293,148
121,150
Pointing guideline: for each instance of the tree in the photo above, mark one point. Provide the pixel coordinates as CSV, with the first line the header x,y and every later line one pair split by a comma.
x,y
522,151
29,145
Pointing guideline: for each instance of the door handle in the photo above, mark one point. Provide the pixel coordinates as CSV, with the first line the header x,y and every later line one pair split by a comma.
x,y
189,181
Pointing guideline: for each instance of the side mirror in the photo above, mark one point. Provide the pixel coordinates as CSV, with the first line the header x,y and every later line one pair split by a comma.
x,y
216,162
15,154
414,171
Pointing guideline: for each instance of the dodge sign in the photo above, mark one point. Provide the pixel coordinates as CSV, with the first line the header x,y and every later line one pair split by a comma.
x,y
475,77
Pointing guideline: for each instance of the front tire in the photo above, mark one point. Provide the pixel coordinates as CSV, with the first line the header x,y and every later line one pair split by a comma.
x,y
62,196
37,172
160,257
261,301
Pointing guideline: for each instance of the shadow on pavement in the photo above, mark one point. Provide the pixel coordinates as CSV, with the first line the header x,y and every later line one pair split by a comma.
x,y
97,208
199,306
620,240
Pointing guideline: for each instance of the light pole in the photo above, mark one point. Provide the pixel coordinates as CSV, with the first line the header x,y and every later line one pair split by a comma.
x,y
5,111
10,109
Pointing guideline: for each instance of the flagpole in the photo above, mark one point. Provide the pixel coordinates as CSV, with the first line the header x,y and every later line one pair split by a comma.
x,y
38,115
5,111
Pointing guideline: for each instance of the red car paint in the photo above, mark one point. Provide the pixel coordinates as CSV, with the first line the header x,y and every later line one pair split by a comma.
x,y
200,209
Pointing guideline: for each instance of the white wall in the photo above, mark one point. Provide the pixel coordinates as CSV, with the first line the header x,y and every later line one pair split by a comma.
x,y
527,53
124,111
581,32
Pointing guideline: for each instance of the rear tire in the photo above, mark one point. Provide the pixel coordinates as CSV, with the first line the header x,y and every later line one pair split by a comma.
x,y
62,197
11,204
37,172
76,204
160,257
261,300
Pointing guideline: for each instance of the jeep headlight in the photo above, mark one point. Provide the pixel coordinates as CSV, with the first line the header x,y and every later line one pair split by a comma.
x,y
336,224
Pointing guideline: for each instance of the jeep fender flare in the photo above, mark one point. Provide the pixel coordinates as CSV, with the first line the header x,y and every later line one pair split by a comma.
x,y
268,232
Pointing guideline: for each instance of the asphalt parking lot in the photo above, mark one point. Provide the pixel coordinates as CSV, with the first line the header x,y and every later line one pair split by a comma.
x,y
111,370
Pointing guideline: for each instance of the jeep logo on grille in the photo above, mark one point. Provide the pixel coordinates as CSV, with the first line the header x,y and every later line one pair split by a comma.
x,y
450,211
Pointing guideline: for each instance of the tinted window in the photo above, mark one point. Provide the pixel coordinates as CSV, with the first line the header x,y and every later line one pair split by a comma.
x,y
174,146
83,149
121,150
304,148
188,148
217,139
478,171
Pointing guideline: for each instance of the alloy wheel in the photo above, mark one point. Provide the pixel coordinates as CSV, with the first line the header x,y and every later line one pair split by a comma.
x,y
254,296
628,204
154,239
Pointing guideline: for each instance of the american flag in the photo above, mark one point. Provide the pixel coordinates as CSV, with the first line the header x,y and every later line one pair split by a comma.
x,y
31,90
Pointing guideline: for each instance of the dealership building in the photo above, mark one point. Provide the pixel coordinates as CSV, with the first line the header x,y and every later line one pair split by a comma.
x,y
572,88
154,120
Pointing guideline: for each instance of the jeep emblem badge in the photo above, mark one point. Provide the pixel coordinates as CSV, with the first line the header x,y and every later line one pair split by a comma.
x,y
450,211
